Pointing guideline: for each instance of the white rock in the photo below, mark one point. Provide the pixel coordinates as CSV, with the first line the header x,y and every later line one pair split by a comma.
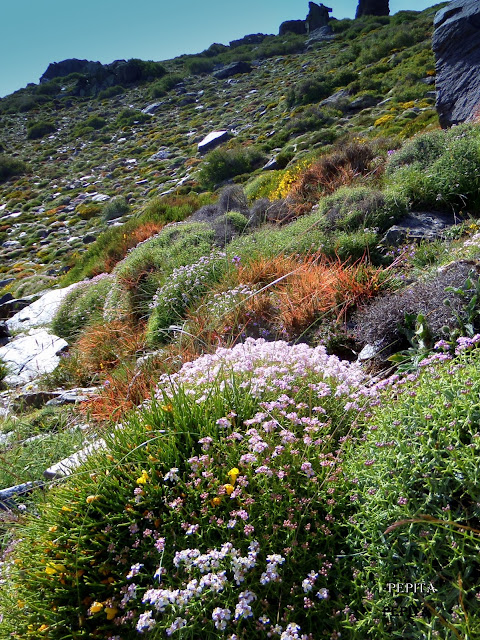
x,y
211,141
66,466
30,355
40,312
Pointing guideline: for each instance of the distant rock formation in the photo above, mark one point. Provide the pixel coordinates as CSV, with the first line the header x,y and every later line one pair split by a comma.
x,y
252,38
372,8
66,67
317,16
457,59
97,76
316,19
293,26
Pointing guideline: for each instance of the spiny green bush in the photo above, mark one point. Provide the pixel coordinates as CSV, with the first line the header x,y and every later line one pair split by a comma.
x,y
129,117
111,92
140,274
222,164
184,287
349,209
37,130
197,66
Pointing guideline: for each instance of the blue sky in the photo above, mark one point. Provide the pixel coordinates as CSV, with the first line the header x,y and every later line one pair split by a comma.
x,y
36,32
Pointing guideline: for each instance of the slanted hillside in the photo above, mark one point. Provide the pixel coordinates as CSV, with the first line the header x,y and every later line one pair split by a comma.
x,y
260,413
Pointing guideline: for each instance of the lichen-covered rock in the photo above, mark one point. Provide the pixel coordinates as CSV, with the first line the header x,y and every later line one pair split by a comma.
x,y
457,59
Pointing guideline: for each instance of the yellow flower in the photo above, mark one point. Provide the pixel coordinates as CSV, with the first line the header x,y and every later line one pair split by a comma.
x,y
20,604
53,529
143,479
229,488
233,474
90,499
96,607
64,508
43,628
111,612
167,407
52,568
216,501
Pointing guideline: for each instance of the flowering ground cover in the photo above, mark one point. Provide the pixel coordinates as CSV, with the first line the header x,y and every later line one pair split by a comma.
x,y
266,491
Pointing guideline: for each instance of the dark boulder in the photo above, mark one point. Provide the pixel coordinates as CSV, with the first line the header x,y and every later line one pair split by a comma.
x,y
232,70
372,8
293,26
418,226
455,43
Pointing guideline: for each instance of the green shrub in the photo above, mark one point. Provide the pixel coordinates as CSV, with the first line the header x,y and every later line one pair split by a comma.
x,y
50,88
88,211
223,164
115,208
141,273
166,84
37,130
349,209
197,66
183,288
10,167
445,176
129,117
111,92
96,122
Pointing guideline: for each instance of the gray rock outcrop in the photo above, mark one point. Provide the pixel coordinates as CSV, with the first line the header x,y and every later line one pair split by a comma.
x,y
232,70
372,8
455,43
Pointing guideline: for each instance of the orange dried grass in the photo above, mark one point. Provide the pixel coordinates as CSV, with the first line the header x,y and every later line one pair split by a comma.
x,y
298,292
103,346
129,385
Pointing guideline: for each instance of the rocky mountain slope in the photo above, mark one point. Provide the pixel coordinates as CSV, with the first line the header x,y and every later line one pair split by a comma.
x,y
242,313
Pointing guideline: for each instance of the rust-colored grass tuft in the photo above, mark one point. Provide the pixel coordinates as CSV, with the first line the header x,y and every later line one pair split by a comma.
x,y
103,346
128,385
298,292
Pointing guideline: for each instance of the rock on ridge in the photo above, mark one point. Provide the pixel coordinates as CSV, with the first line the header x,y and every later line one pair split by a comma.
x,y
372,8
455,43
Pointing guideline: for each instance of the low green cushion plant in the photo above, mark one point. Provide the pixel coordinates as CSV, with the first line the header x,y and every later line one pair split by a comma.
x,y
416,484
